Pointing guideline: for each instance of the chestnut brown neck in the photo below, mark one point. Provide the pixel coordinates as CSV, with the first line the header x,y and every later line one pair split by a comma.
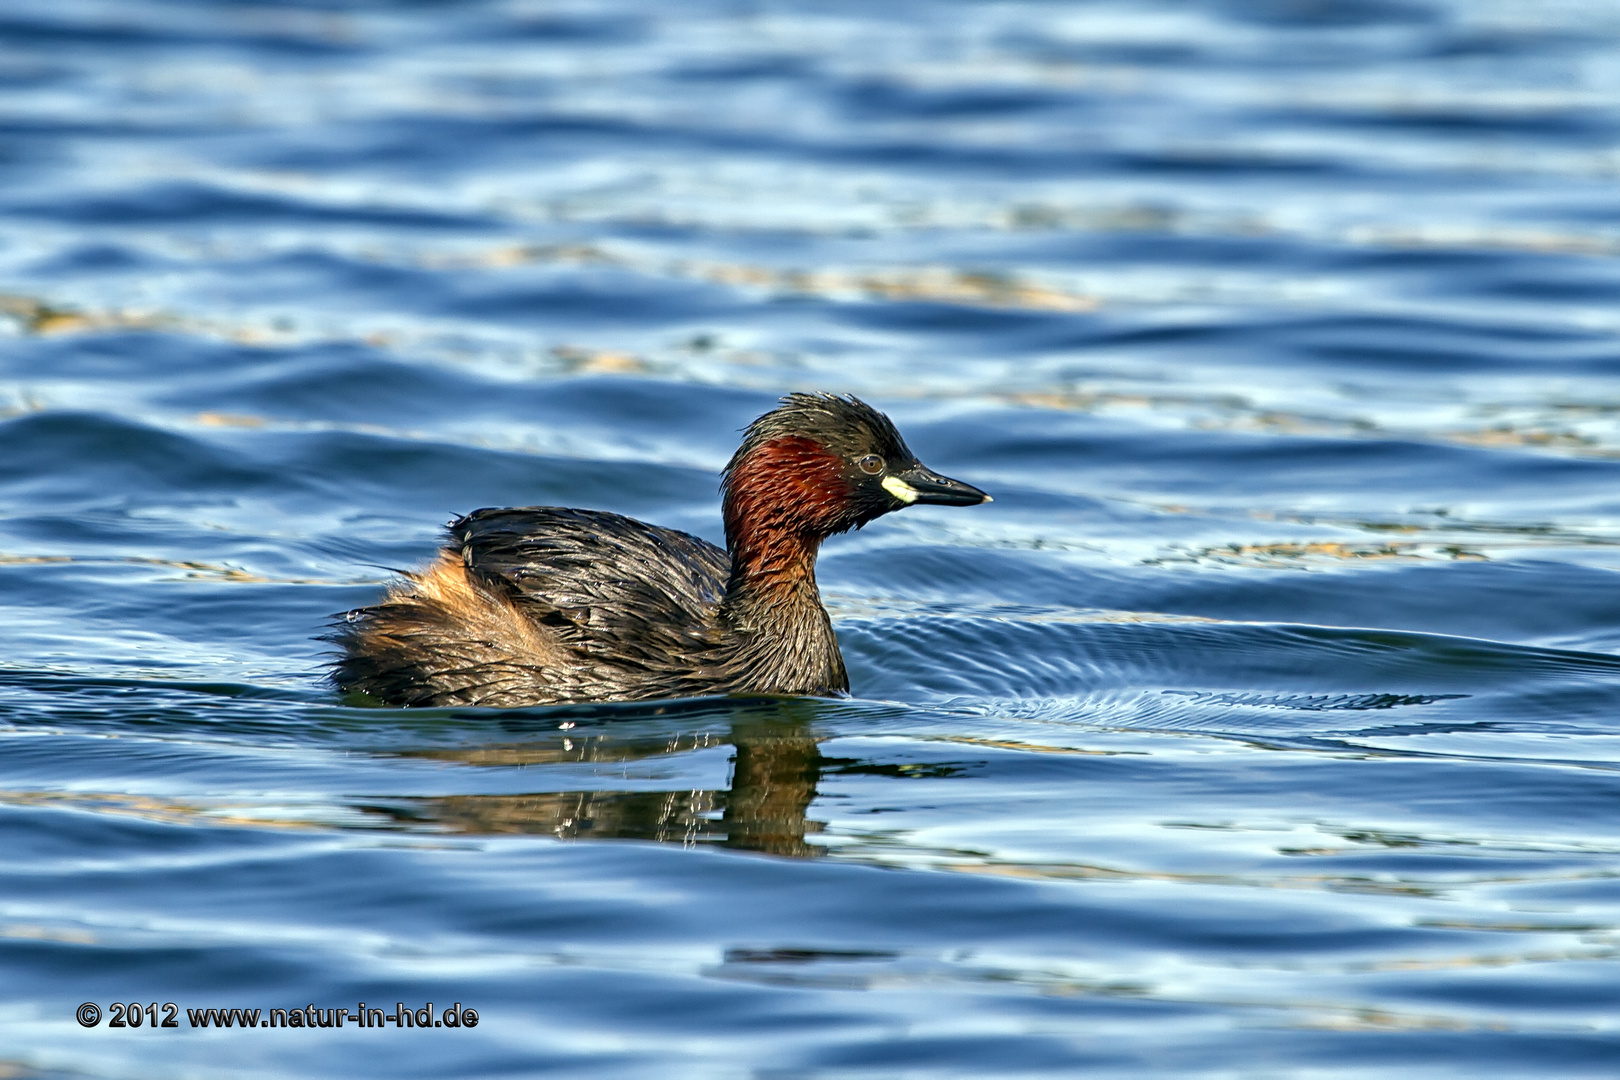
x,y
781,501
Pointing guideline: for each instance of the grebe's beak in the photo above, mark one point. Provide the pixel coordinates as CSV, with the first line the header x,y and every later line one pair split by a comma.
x,y
920,484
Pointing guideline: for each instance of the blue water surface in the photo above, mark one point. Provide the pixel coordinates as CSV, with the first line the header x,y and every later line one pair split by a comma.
x,y
1264,725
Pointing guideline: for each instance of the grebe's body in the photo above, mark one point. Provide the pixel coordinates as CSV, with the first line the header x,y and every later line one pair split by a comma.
x,y
543,604
540,605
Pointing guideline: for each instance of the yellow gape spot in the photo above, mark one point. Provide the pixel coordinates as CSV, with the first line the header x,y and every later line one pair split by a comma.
x,y
900,489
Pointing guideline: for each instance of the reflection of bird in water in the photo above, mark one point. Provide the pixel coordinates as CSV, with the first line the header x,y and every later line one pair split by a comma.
x,y
542,604
773,782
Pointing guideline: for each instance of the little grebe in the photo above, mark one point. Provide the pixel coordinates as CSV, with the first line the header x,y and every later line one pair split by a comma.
x,y
540,604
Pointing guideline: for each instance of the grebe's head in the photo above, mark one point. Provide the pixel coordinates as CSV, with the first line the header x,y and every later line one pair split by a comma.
x,y
819,464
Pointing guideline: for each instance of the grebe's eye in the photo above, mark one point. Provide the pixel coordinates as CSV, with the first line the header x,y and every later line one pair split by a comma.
x,y
871,464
